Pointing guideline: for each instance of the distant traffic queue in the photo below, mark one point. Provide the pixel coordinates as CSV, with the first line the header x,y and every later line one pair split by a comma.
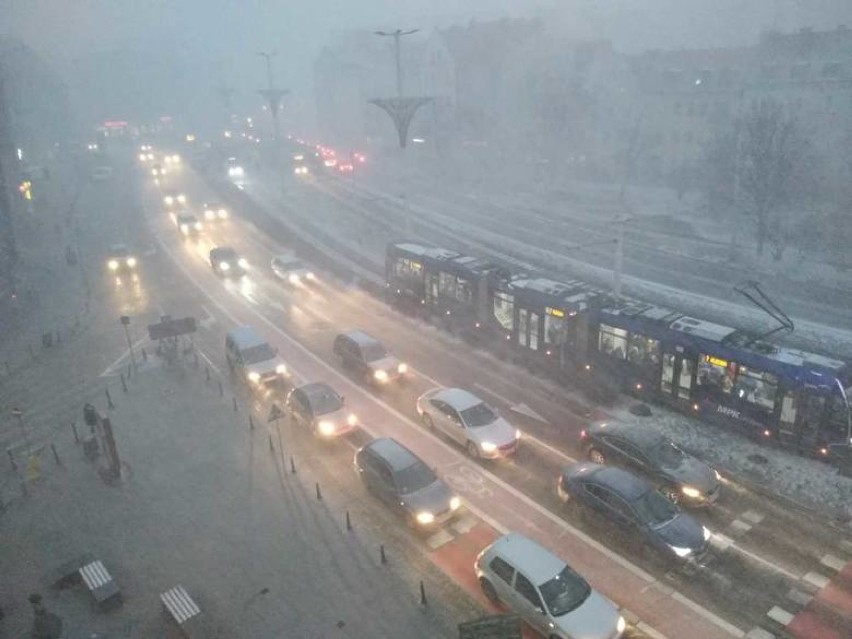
x,y
585,337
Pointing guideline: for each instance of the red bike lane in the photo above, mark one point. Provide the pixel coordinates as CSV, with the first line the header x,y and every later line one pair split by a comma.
x,y
829,614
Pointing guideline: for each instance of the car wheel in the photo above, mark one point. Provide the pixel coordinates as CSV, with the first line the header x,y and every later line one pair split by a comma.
x,y
473,450
428,423
671,493
597,456
488,590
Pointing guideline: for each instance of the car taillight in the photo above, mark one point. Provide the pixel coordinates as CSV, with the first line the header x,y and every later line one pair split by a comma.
x,y
583,434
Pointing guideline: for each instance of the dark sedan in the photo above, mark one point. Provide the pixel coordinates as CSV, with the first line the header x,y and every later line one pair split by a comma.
x,y
405,483
681,477
637,508
226,262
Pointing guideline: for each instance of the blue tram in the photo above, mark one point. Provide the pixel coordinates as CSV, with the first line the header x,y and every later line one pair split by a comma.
x,y
795,398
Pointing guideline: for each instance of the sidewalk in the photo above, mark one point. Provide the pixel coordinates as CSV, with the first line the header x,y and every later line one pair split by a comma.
x,y
206,504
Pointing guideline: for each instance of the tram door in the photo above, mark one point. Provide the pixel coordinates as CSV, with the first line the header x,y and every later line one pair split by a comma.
x,y
677,375
431,293
528,328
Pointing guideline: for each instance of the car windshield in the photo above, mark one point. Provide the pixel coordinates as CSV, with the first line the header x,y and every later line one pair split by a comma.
x,y
225,254
565,592
259,353
324,400
374,351
479,415
665,453
654,509
414,478
119,251
186,219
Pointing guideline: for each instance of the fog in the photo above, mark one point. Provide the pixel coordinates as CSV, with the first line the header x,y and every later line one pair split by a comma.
x,y
140,59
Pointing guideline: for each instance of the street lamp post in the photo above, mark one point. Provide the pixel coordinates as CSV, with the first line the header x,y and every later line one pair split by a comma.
x,y
272,94
396,35
125,321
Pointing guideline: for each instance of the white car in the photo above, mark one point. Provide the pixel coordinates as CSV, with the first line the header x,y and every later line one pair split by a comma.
x,y
468,420
544,591
291,269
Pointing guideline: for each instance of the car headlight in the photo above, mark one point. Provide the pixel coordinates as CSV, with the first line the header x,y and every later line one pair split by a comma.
x,y
380,376
310,276
112,264
242,262
224,266
681,552
150,156
689,491
402,368
455,502
223,213
351,419
488,447
169,200
718,475
326,428
131,262
176,159
293,278
518,434
707,533
182,199
281,369
142,156
254,376
208,214
198,226
621,625
425,517
184,228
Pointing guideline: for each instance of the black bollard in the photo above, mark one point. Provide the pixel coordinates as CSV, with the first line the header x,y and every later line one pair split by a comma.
x,y
30,348
109,399
319,494
251,422
422,594
55,455
207,372
144,355
12,459
221,390
74,430
382,554
292,466
123,382
235,404
271,446
348,521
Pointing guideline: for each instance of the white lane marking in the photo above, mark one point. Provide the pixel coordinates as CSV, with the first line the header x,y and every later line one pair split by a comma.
x,y
648,630
488,391
523,409
111,368
835,563
716,619
721,541
764,562
636,570
417,371
780,615
740,527
207,359
759,633
753,516
555,451
208,320
800,597
438,539
846,545
816,579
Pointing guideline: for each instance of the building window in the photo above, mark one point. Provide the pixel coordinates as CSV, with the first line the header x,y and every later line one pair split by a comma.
x,y
504,310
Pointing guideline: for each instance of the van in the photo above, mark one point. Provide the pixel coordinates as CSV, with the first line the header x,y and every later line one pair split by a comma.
x,y
249,355
368,357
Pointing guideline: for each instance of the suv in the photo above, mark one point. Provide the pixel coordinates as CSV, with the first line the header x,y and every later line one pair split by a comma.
x,y
188,224
367,356
320,408
405,483
226,262
250,354
637,508
544,591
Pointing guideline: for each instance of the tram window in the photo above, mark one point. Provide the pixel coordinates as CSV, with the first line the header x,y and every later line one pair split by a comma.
x,y
553,329
613,341
643,350
715,372
756,387
837,413
504,310
464,291
447,284
404,267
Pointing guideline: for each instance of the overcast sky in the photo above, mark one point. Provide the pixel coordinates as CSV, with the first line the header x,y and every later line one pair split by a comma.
x,y
209,42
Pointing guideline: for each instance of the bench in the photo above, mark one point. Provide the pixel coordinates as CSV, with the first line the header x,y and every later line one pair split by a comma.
x,y
99,582
183,609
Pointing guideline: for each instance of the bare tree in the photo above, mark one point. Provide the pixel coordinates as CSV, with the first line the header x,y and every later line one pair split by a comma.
x,y
762,165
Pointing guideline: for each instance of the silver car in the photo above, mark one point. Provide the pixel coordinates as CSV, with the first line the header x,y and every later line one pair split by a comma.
x,y
544,591
468,420
291,269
